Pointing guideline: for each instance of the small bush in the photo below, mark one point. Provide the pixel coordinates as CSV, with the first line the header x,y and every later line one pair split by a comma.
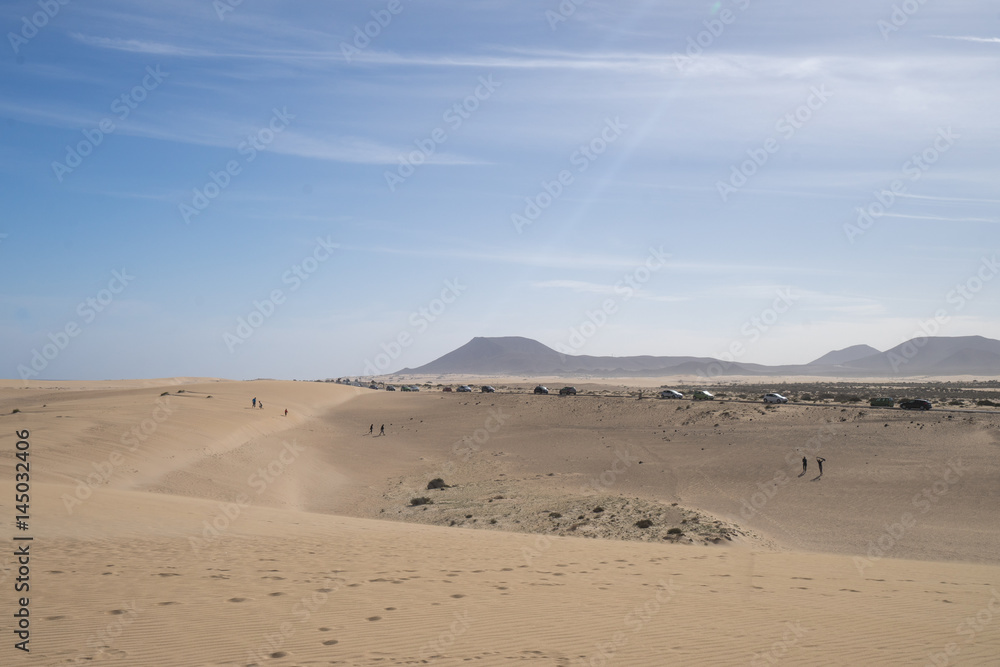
x,y
555,515
421,501
956,401
675,531
15,411
166,393
437,483
643,523
988,403
807,397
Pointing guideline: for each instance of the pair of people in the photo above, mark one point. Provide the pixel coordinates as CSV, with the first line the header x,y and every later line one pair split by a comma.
x,y
819,462
371,430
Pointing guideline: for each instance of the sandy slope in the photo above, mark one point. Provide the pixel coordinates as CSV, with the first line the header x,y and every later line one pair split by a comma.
x,y
219,537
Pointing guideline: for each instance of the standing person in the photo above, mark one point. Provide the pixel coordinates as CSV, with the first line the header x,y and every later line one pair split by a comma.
x,y
254,402
261,404
819,461
805,464
286,412
371,429
381,431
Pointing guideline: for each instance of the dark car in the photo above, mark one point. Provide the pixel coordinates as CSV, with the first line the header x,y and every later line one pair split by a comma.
x,y
567,391
541,390
487,389
915,404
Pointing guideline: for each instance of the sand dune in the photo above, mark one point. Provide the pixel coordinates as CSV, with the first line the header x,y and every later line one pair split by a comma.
x,y
221,535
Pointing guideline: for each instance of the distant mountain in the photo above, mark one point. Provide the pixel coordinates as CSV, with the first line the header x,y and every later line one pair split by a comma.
x,y
838,357
938,355
516,355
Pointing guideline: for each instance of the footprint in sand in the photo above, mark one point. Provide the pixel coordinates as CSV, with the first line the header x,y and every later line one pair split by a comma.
x,y
330,642
168,574
458,595
374,618
278,654
274,595
54,618
164,604
237,599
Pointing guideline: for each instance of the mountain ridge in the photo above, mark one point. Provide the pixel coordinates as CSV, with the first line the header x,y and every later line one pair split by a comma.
x,y
518,355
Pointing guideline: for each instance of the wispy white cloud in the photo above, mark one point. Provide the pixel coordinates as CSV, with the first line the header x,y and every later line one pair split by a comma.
x,y
940,218
969,38
972,200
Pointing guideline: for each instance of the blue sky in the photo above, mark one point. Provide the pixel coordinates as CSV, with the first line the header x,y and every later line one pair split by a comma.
x,y
489,169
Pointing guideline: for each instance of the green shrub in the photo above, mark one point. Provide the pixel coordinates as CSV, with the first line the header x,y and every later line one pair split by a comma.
x,y
421,501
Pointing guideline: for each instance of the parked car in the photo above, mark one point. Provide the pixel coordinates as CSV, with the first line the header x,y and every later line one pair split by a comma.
x,y
774,398
414,387
703,395
670,393
448,389
882,402
464,389
541,390
405,388
487,389
567,391
915,404
389,387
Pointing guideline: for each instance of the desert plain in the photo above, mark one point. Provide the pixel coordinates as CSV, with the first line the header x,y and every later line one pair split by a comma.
x,y
173,523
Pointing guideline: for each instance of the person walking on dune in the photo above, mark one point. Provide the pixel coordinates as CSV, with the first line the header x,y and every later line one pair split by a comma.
x,y
261,404
819,461
805,464
371,429
286,412
381,431
254,402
